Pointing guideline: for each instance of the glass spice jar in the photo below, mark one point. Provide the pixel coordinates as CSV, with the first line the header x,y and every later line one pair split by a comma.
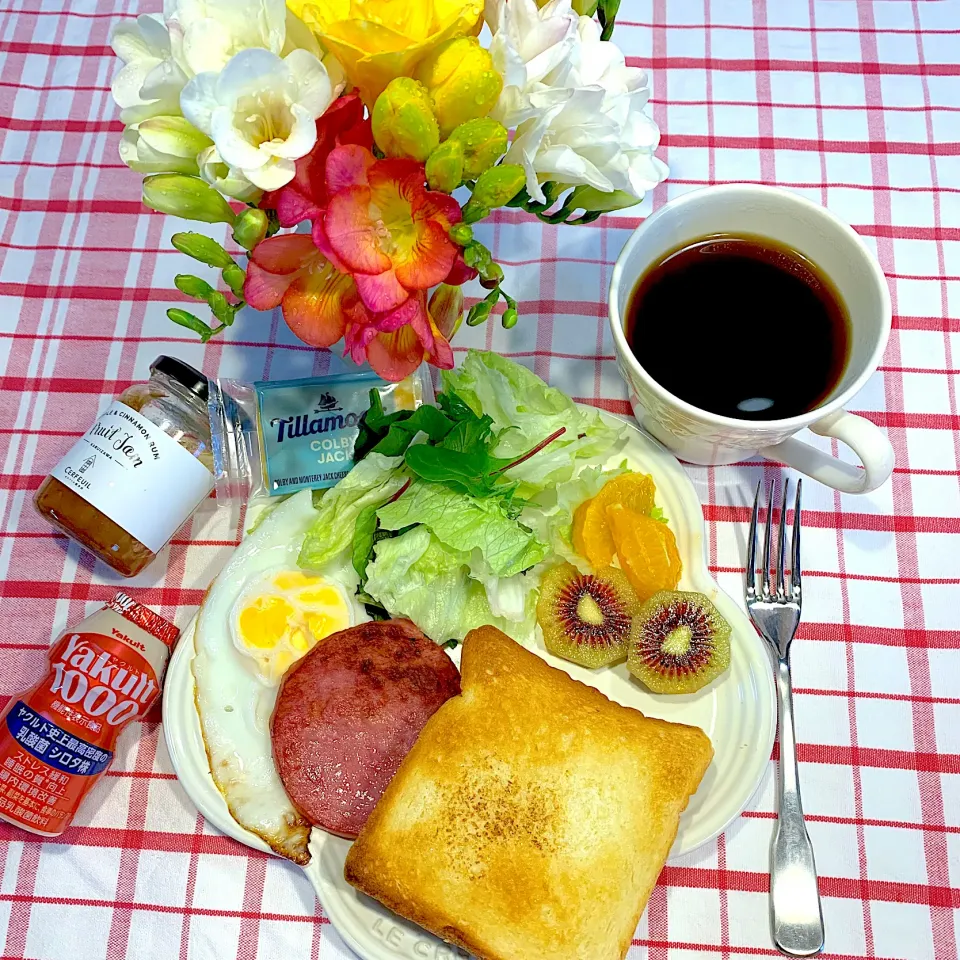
x,y
143,467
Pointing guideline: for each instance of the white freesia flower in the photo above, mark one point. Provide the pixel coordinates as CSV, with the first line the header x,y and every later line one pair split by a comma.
x,y
206,34
162,145
528,45
150,81
261,111
228,180
193,36
581,120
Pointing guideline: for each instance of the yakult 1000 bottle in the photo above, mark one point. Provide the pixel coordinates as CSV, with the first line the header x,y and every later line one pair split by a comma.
x,y
57,738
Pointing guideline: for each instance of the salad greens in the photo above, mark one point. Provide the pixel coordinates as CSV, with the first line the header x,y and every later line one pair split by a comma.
x,y
371,482
524,410
415,575
467,523
452,507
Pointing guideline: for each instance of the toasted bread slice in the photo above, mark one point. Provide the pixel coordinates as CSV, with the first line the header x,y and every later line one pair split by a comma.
x,y
532,816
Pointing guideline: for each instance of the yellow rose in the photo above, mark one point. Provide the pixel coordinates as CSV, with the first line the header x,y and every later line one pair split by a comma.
x,y
378,40
462,82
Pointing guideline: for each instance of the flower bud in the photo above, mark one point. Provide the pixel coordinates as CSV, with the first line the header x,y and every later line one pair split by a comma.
x,y
474,212
461,80
479,312
192,322
445,166
202,248
187,197
228,180
173,135
591,199
494,188
163,145
250,228
484,143
192,286
461,234
476,255
510,318
446,308
403,121
233,277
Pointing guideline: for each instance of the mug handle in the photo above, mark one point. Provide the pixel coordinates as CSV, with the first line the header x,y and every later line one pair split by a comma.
x,y
859,434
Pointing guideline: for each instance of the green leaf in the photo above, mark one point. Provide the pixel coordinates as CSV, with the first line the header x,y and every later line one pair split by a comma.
x,y
363,539
391,434
415,575
468,471
467,523
455,407
607,14
468,435
371,482
401,433
202,248
525,411
185,319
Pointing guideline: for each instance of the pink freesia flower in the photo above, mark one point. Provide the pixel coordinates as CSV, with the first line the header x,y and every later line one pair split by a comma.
x,y
379,242
396,342
320,305
291,273
384,227
304,197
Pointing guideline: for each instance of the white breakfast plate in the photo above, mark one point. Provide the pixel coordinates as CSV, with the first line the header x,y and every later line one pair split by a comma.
x,y
737,711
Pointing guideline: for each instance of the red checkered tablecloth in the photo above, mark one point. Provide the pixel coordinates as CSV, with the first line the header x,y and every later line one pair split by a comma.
x,y
853,104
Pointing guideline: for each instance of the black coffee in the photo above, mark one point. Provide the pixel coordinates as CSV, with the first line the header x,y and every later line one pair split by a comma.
x,y
740,326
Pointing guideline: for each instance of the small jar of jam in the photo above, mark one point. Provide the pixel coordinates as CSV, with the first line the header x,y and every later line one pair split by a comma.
x,y
129,483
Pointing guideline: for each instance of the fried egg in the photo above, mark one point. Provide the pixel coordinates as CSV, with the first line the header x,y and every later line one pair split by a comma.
x,y
280,616
260,616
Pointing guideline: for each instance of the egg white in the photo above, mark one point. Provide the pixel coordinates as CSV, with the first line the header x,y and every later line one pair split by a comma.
x,y
234,702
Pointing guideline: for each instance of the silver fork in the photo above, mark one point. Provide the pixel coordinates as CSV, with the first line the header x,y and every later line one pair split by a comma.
x,y
795,911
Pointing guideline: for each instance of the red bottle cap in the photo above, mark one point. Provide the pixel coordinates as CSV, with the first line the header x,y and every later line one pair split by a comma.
x,y
145,618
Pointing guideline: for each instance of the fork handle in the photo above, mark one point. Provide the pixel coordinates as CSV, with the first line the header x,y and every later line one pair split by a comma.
x,y
794,897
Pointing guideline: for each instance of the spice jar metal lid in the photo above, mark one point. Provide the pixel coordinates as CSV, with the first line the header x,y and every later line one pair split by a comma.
x,y
183,373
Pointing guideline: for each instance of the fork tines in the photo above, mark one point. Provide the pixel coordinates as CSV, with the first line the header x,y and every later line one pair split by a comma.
x,y
758,583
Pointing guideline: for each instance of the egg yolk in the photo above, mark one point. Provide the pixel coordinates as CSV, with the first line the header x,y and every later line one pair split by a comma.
x,y
265,622
284,616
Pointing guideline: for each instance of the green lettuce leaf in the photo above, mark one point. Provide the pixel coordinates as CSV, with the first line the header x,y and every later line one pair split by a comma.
x,y
370,483
525,411
415,575
466,523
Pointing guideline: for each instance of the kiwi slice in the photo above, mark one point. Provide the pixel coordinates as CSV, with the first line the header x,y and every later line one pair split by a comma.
x,y
679,642
586,617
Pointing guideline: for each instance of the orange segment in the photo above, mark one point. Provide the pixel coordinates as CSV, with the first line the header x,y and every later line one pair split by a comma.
x,y
576,534
647,550
635,491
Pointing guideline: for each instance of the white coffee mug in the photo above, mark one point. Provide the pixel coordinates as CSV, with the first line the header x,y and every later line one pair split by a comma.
x,y
701,437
